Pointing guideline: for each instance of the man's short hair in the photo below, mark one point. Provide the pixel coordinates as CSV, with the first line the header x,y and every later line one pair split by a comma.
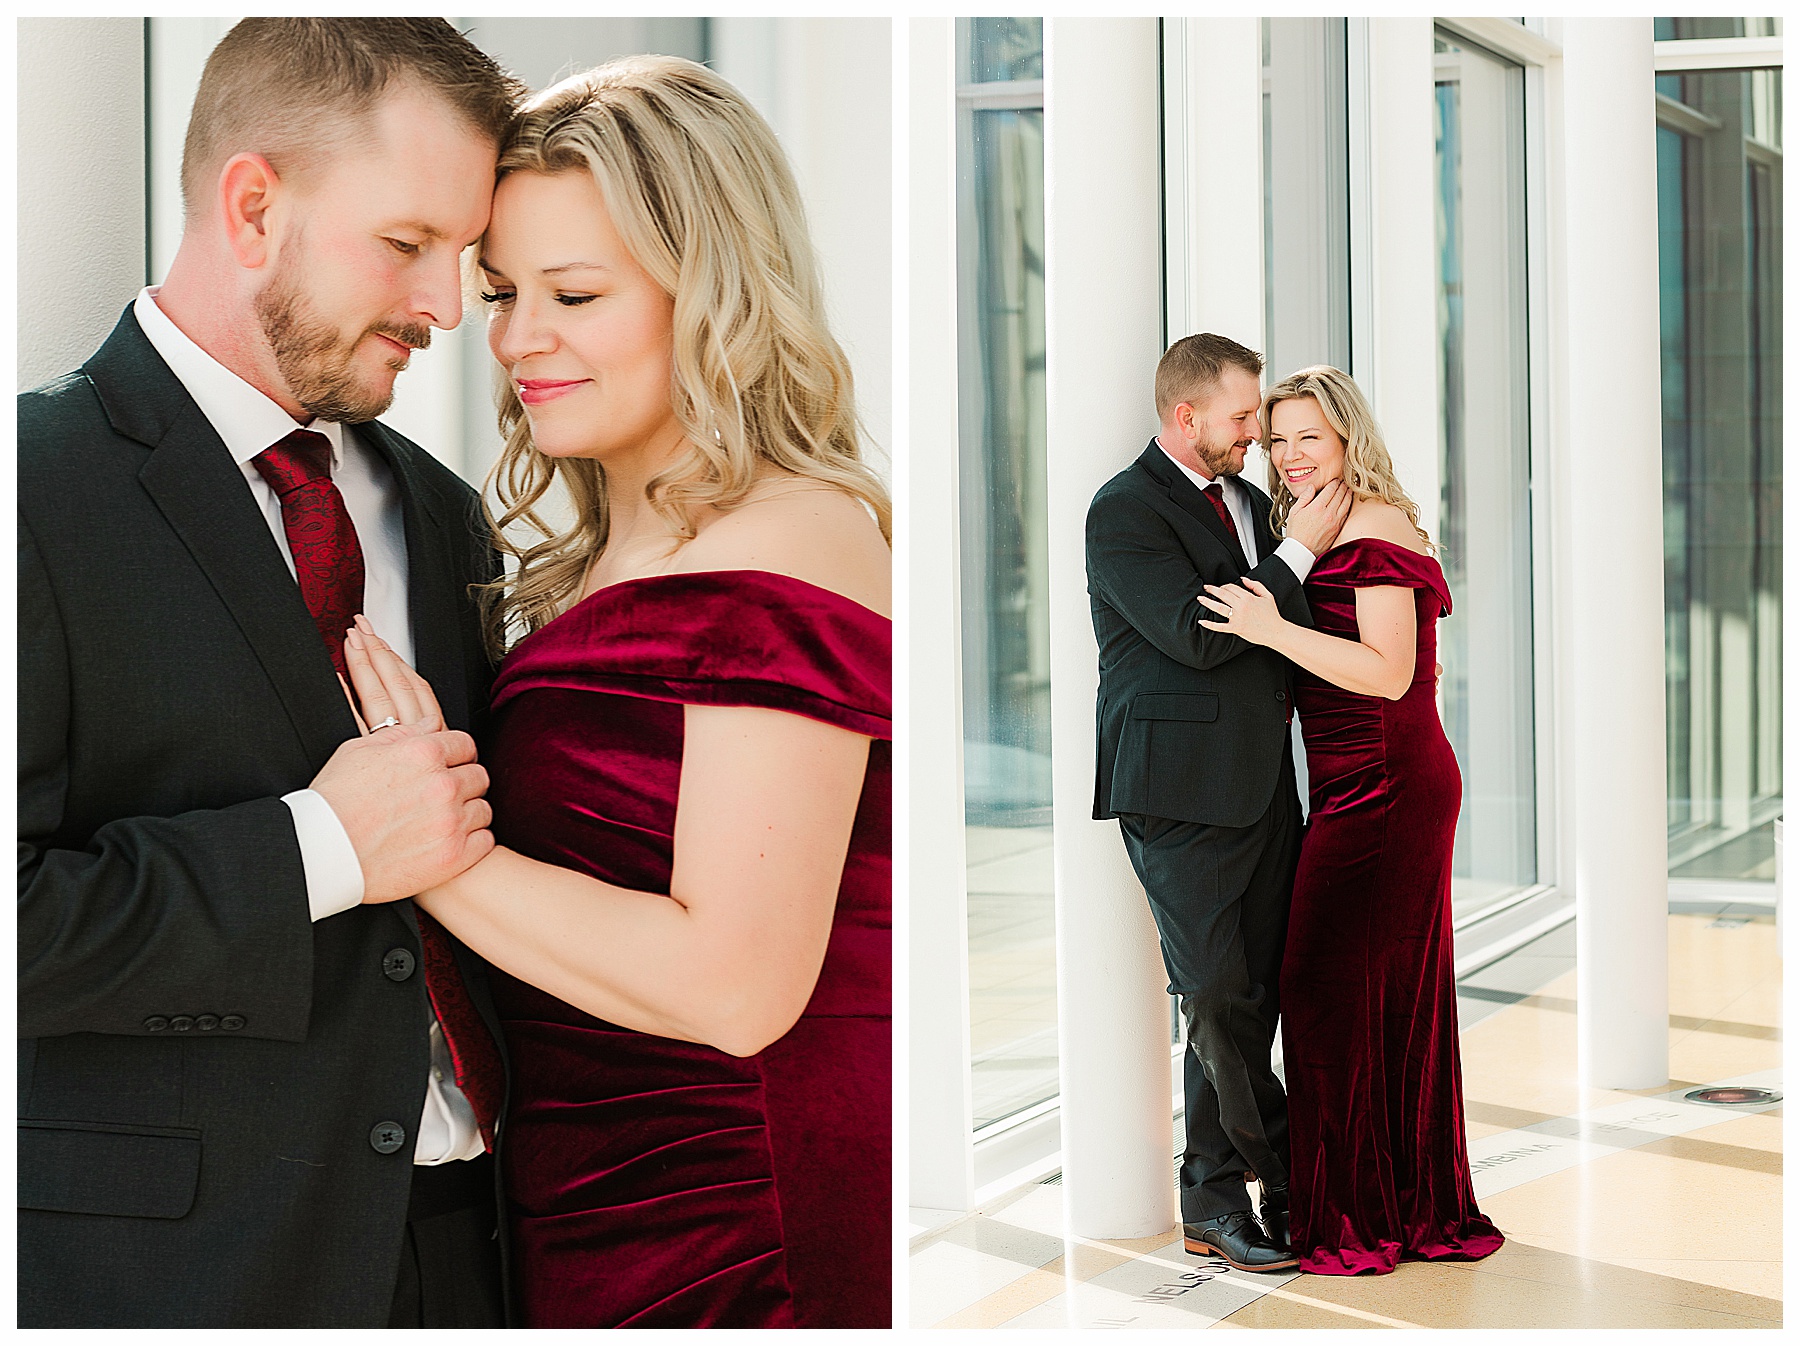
x,y
1190,369
292,90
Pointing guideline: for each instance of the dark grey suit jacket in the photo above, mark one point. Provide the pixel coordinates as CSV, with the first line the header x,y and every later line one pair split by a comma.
x,y
201,1065
1191,722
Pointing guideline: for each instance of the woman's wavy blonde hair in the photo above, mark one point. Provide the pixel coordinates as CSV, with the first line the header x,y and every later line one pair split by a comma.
x,y
705,202
1368,468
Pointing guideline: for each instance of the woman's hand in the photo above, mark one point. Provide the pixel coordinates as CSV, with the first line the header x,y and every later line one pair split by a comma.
x,y
385,686
1248,609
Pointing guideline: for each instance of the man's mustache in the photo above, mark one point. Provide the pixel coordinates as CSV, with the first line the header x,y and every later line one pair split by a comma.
x,y
418,336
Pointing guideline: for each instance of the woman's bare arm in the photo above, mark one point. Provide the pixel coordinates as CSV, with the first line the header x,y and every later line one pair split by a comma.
x,y
731,955
1379,662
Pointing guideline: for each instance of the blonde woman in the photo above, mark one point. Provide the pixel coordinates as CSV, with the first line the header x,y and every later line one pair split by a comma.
x,y
1380,1168
689,748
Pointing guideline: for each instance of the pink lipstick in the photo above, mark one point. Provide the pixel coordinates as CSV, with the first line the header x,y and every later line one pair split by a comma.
x,y
535,392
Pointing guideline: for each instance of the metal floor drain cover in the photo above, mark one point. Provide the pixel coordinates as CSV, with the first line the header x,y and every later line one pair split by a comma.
x,y
1733,1097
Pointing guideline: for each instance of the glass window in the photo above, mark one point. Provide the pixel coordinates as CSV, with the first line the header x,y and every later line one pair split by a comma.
x,y
1005,566
1484,516
1719,216
1676,30
1306,196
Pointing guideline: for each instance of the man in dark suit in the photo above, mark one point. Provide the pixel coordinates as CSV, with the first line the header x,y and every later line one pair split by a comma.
x,y
257,1087
1195,762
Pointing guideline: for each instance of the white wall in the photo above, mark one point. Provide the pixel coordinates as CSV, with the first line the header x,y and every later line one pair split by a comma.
x,y
80,186
825,86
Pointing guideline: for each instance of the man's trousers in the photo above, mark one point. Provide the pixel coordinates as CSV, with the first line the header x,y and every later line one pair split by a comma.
x,y
1220,898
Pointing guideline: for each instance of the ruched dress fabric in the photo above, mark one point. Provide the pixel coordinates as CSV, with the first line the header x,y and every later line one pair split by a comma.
x,y
659,1183
1379,1162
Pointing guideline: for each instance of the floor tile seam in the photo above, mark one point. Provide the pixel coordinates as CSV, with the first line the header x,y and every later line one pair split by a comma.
x,y
1056,1289
1681,1026
1346,1310
1747,1164
1721,1027
1755,989
932,1237
1591,1294
1065,1276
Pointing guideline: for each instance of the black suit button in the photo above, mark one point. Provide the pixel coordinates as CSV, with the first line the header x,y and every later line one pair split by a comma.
x,y
181,1023
155,1023
398,964
1281,696
232,1022
207,1022
386,1137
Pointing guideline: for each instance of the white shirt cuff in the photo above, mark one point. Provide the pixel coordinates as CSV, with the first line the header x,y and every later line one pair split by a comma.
x,y
1298,558
334,877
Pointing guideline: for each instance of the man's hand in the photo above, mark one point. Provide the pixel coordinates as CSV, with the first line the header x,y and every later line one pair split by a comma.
x,y
410,799
1314,520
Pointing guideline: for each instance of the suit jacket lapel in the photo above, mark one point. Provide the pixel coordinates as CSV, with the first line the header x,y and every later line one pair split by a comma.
x,y
202,494
1266,541
1184,493
437,609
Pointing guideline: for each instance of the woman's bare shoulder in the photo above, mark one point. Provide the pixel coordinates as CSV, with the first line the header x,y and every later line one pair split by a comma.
x,y
809,530
1371,518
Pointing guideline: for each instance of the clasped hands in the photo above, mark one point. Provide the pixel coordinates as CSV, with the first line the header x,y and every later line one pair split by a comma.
x,y
409,796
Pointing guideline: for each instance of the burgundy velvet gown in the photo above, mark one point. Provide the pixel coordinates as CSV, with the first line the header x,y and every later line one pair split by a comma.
x,y
657,1183
1380,1167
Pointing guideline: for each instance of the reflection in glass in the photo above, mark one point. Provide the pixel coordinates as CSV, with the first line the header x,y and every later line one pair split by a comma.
x,y
1719,215
1005,566
1004,49
1673,30
1484,516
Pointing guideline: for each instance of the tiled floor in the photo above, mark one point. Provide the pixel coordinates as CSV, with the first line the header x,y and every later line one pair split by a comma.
x,y
1620,1209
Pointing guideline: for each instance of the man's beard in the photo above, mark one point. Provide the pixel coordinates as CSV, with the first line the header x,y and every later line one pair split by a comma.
x,y
1218,459
318,365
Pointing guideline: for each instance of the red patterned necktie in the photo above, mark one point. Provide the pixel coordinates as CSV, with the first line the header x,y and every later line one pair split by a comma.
x,y
328,560
1215,493
479,1072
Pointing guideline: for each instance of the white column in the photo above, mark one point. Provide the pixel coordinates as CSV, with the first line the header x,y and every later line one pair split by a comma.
x,y
1103,326
931,867
81,187
1398,201
833,110
1615,552
1212,164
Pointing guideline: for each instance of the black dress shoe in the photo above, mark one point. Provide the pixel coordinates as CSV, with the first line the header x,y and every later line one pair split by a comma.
x,y
1237,1239
1273,1217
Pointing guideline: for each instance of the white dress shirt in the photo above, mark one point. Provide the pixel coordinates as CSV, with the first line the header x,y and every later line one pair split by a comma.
x,y
1290,551
249,422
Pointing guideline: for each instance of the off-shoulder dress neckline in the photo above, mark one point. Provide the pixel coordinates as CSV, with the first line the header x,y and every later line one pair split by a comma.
x,y
1397,546
761,576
